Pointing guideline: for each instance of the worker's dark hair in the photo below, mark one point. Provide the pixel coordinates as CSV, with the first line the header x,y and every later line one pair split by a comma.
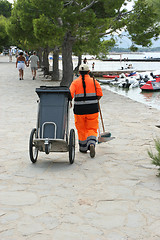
x,y
83,73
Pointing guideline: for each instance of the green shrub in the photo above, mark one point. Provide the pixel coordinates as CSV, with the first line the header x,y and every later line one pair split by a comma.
x,y
156,157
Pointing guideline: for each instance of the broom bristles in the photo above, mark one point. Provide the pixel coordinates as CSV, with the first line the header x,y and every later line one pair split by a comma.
x,y
106,134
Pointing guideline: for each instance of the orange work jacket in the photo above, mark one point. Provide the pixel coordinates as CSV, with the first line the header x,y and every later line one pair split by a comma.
x,y
89,104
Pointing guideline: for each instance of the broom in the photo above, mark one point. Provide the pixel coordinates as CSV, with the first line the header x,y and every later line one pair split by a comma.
x,y
105,136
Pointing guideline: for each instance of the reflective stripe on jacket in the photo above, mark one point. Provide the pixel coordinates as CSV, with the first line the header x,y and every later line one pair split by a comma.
x,y
89,104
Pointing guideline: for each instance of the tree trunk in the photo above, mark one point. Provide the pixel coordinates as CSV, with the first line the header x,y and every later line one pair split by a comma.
x,y
39,53
55,73
45,61
67,60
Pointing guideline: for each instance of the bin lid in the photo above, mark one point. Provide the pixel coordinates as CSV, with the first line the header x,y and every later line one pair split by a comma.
x,y
53,89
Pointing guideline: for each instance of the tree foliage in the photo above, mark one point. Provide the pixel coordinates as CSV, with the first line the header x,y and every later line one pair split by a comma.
x,y
20,26
4,37
5,13
142,24
79,26
5,8
155,5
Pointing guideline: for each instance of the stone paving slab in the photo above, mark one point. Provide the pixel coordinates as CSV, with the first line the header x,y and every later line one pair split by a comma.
x,y
115,196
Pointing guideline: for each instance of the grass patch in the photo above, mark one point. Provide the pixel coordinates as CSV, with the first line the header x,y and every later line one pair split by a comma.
x,y
156,157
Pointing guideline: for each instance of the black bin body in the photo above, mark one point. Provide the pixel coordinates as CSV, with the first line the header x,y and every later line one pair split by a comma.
x,y
53,108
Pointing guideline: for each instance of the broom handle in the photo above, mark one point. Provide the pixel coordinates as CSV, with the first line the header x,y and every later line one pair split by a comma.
x,y
101,117
99,131
99,107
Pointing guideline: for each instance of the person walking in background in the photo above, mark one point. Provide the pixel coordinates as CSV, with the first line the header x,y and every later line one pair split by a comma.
x,y
93,66
85,60
10,55
27,57
17,53
34,64
20,65
86,93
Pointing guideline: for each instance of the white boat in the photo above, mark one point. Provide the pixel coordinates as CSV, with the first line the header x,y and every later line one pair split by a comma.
x,y
134,84
129,82
104,81
127,70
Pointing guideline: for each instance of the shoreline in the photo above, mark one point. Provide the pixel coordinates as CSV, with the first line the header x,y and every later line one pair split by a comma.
x,y
135,95
133,60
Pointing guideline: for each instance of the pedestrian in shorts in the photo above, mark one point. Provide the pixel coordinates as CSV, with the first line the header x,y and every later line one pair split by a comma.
x,y
34,60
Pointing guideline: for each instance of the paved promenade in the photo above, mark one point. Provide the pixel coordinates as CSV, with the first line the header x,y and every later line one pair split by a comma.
x,y
115,196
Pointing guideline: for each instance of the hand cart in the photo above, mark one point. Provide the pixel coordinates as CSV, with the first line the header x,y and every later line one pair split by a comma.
x,y
51,133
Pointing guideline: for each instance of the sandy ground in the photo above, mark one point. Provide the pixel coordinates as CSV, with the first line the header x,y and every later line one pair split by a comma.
x,y
115,196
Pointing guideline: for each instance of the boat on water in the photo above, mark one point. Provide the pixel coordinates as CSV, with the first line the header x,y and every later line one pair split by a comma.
x,y
111,76
127,70
151,85
105,81
129,82
122,81
127,74
147,81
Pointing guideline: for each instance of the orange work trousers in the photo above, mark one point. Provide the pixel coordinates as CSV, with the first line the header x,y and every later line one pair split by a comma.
x,y
87,126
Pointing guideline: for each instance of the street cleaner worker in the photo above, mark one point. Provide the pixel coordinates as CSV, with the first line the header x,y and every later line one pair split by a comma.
x,y
86,92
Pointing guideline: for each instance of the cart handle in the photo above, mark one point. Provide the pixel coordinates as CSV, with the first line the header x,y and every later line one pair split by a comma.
x,y
45,123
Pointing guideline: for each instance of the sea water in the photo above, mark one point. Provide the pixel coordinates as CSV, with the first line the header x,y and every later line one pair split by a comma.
x,y
117,65
152,99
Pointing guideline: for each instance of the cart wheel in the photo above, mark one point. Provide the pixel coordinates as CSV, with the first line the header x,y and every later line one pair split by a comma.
x,y
33,151
47,148
72,146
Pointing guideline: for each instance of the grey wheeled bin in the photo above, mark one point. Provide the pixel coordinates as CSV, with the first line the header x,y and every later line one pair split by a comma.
x,y
51,134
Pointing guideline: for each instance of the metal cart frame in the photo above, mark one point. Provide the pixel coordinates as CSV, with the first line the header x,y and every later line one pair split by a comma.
x,y
39,141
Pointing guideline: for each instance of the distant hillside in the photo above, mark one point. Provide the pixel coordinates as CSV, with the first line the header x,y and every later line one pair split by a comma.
x,y
116,49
